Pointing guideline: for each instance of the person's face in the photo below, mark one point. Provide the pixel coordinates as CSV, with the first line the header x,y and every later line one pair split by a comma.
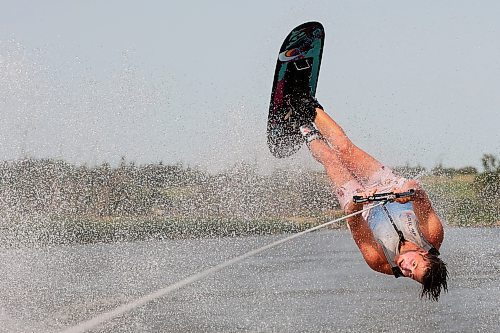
x,y
413,264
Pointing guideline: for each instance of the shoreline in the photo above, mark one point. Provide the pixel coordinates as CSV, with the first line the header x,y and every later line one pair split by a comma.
x,y
70,231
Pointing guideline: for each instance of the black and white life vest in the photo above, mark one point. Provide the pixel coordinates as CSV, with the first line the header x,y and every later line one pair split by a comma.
x,y
392,224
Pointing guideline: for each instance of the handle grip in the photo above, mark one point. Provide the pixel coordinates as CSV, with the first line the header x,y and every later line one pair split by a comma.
x,y
389,196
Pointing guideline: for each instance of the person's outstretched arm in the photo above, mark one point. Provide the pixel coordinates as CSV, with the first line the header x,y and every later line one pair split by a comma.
x,y
363,237
429,222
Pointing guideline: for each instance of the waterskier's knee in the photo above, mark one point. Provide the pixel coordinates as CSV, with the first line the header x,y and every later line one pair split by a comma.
x,y
326,157
344,146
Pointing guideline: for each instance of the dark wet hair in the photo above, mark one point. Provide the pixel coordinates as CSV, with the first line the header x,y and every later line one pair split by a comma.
x,y
434,278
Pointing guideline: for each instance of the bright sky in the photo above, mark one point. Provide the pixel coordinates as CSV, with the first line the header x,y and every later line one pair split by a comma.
x,y
90,81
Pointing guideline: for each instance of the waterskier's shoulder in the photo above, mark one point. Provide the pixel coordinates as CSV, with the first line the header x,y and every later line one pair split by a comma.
x,y
432,229
429,221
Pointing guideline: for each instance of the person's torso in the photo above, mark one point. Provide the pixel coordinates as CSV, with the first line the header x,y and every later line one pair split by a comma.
x,y
404,219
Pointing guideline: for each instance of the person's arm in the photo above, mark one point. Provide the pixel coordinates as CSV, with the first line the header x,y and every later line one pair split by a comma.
x,y
429,222
363,237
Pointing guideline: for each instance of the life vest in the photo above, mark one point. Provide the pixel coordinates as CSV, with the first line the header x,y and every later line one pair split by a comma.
x,y
392,224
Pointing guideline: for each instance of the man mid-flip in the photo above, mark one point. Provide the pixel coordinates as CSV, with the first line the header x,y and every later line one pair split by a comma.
x,y
400,238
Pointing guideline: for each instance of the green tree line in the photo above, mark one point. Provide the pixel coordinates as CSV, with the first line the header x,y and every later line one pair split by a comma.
x,y
57,189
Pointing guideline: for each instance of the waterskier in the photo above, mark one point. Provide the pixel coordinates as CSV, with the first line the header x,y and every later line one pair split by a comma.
x,y
399,238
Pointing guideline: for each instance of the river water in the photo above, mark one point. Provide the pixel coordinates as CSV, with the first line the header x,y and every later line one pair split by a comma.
x,y
316,283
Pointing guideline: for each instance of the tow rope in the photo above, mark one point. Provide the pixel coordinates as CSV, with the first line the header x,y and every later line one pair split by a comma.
x,y
106,316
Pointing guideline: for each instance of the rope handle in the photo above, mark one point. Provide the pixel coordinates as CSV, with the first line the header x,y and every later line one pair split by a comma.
x,y
389,196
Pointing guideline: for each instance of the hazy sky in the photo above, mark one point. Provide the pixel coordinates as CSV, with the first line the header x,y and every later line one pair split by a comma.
x,y
91,81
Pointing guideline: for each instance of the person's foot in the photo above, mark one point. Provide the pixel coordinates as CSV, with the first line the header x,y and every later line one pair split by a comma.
x,y
310,132
301,109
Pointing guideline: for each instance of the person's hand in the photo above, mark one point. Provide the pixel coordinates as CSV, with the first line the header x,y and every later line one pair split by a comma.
x,y
353,207
369,193
410,184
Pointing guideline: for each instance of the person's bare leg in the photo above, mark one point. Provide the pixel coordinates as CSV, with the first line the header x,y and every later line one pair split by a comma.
x,y
335,169
344,182
361,164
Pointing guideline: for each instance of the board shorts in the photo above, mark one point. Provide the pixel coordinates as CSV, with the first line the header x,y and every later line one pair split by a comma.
x,y
383,180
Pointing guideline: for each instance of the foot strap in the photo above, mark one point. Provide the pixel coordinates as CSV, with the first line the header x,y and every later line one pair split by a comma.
x,y
310,132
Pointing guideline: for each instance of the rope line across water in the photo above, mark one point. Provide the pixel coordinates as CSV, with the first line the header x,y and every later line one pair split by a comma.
x,y
106,316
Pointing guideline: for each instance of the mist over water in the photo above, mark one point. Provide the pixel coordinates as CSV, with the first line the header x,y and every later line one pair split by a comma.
x,y
89,112
102,127
80,119
74,114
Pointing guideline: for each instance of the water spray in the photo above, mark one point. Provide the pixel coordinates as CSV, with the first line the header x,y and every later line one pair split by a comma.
x,y
106,316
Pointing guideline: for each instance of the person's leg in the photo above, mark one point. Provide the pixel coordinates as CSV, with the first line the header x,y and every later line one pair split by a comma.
x,y
344,182
357,161
342,154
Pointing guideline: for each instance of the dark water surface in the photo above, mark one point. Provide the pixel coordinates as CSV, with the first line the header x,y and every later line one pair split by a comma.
x,y
316,283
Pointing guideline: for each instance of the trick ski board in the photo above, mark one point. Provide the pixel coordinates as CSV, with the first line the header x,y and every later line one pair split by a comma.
x,y
297,71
